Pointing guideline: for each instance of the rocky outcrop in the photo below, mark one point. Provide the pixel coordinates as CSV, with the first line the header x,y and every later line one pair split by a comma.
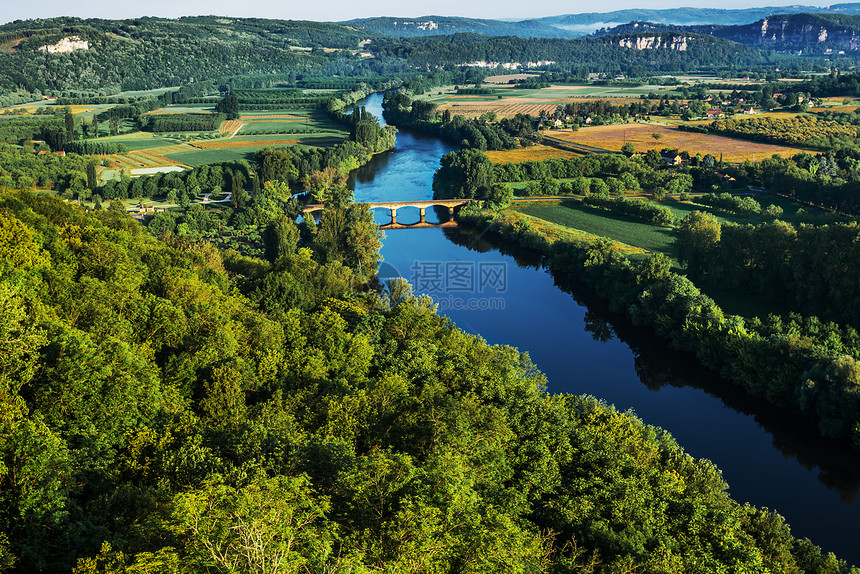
x,y
509,65
69,44
427,25
672,42
799,31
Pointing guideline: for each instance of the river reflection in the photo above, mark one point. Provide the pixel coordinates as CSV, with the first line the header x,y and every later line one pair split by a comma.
x,y
658,366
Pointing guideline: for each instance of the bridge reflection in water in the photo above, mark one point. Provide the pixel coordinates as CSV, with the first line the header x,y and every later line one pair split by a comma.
x,y
393,206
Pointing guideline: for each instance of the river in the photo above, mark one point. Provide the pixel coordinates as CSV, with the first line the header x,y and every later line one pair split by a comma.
x,y
769,457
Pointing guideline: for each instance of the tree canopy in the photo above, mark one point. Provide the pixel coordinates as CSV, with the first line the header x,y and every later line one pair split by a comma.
x,y
164,404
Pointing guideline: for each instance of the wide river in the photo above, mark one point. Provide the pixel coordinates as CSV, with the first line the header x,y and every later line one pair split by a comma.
x,y
770,458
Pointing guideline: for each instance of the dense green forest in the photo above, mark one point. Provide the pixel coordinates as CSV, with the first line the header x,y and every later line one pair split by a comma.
x,y
468,173
829,179
149,53
155,392
786,265
602,55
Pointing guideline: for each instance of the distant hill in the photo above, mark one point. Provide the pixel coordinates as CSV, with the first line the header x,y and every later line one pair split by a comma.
x,y
586,23
809,32
702,20
656,28
801,32
56,54
436,25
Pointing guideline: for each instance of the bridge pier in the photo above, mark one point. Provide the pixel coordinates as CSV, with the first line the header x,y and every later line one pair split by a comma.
x,y
393,206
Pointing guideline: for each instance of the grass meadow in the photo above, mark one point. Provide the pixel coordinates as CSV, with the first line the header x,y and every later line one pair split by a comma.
x,y
636,238
605,224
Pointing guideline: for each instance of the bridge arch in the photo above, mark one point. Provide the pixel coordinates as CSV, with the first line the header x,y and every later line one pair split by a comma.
x,y
393,206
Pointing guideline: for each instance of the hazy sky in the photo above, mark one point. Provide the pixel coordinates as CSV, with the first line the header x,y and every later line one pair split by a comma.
x,y
333,10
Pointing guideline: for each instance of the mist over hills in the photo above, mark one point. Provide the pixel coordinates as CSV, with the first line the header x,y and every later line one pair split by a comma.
x,y
586,23
435,25
578,25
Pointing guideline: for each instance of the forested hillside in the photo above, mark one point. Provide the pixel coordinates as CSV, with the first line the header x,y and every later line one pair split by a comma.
x,y
164,403
103,57
597,55
149,53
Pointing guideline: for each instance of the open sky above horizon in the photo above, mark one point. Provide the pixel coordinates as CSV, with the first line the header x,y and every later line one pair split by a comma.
x,y
335,10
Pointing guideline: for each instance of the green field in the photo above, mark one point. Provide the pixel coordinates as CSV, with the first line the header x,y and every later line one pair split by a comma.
x,y
186,109
263,127
138,143
266,137
138,93
301,120
654,239
203,156
606,224
789,208
299,110
322,140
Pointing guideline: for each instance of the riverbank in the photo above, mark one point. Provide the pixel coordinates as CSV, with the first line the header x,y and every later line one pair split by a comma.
x,y
789,369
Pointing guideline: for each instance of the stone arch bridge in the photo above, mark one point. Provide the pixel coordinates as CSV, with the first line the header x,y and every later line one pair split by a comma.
x,y
393,206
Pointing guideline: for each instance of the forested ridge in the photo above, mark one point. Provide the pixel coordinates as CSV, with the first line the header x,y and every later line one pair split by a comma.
x,y
153,390
146,53
594,54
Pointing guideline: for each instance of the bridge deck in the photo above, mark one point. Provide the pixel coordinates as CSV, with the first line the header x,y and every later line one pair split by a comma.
x,y
397,204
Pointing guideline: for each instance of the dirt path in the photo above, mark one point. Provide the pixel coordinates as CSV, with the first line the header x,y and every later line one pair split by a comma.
x,y
241,125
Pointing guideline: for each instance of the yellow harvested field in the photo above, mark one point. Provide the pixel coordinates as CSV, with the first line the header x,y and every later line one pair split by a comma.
x,y
120,162
508,107
229,126
80,108
533,153
505,78
225,144
835,109
153,157
641,136
473,106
